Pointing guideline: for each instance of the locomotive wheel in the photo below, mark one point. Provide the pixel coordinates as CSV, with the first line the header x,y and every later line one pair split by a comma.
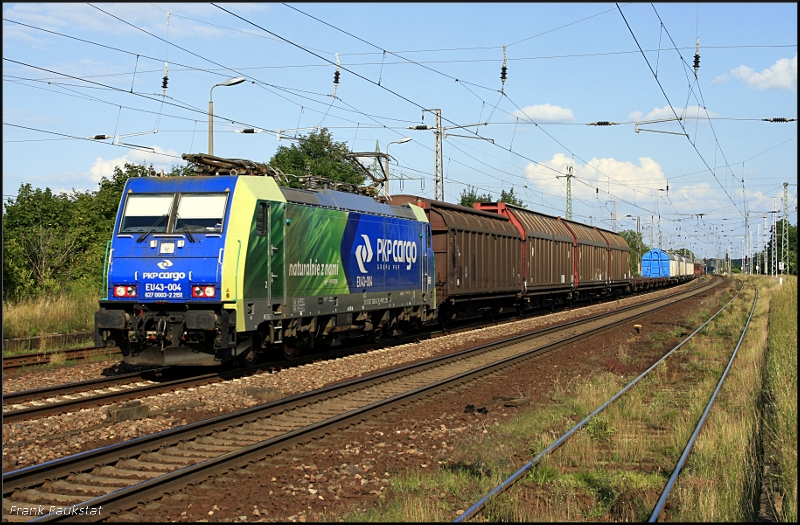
x,y
376,336
289,348
250,358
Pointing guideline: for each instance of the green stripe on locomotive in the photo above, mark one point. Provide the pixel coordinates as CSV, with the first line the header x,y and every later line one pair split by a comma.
x,y
247,191
313,254
313,257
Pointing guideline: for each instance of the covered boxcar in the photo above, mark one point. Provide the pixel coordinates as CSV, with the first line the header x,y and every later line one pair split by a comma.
x,y
547,253
477,258
619,260
655,264
590,260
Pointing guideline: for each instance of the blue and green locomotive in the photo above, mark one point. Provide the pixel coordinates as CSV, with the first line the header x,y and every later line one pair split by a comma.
x,y
208,269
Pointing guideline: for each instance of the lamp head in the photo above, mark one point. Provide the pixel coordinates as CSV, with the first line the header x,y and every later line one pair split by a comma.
x,y
232,81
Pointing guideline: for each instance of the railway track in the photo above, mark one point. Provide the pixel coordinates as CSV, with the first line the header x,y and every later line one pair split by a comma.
x,y
78,354
104,391
43,358
58,399
18,406
657,511
68,389
118,477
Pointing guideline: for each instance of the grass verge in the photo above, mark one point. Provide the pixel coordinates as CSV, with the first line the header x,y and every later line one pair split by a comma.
x,y
780,395
63,314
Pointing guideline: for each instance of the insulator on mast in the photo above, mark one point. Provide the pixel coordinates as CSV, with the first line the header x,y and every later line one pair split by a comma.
x,y
697,56
165,80
503,72
336,75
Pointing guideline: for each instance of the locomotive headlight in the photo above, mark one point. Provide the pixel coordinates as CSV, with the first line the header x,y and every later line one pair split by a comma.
x,y
124,291
204,290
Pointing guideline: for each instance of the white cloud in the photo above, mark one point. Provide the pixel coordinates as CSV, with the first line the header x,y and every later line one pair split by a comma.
x,y
782,75
544,113
691,112
626,181
105,168
620,178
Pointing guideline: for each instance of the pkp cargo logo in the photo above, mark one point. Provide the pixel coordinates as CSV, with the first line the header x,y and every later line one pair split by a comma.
x,y
363,253
166,263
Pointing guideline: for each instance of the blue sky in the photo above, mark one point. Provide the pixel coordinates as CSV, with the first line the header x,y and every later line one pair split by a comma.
x,y
568,65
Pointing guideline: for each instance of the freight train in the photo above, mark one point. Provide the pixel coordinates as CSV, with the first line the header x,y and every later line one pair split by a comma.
x,y
227,267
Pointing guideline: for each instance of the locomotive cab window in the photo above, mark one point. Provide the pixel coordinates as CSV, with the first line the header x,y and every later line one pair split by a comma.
x,y
146,212
201,213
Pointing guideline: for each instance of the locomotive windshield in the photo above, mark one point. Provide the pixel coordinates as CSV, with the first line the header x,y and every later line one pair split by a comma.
x,y
149,212
155,213
201,212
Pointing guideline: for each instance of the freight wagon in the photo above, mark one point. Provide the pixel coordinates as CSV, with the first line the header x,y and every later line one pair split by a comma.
x,y
478,259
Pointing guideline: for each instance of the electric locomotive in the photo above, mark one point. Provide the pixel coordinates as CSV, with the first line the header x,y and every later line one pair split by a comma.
x,y
208,269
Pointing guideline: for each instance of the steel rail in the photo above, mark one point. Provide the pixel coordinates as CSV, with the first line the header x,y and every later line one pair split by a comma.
x,y
71,405
502,487
126,497
685,455
23,396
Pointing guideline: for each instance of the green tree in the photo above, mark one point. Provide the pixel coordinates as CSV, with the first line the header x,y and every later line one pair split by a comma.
x,y
778,238
510,198
37,228
57,242
470,196
318,154
637,246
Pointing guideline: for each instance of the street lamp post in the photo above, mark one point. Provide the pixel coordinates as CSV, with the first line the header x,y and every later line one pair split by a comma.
x,y
229,82
398,141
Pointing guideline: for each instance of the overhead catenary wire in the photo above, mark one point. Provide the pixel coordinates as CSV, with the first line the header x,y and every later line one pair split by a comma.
x,y
337,104
673,110
150,150
377,47
112,88
234,70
